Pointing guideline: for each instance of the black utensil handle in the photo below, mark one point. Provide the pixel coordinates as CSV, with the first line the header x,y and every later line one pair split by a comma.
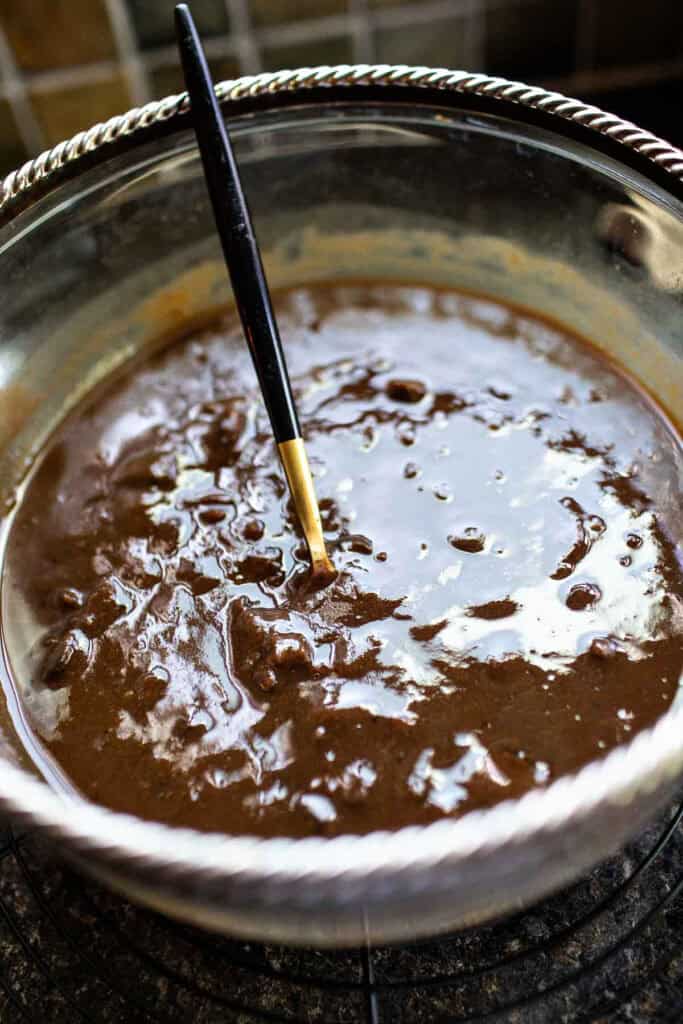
x,y
236,232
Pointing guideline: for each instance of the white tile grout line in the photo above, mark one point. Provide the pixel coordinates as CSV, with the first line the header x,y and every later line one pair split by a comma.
x,y
473,37
292,32
244,42
129,54
630,76
419,14
72,78
215,47
362,34
14,90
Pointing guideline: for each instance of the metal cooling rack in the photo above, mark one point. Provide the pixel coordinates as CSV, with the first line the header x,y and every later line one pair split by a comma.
x,y
609,950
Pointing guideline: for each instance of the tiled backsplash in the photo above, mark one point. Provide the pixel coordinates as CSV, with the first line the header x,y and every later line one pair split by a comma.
x,y
65,64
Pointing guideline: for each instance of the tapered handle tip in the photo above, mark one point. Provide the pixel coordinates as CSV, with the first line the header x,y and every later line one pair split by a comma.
x,y
183,18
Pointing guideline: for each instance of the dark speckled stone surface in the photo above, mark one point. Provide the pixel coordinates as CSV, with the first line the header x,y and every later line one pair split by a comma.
x,y
609,950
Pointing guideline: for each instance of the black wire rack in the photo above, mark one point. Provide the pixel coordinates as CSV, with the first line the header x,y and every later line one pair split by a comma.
x,y
609,950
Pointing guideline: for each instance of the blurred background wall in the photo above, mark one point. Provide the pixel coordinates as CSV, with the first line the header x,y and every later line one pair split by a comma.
x,y
65,64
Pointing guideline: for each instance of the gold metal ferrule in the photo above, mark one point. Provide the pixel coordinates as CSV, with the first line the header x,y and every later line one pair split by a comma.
x,y
298,471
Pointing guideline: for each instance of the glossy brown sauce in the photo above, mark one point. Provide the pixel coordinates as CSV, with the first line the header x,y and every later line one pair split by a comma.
x,y
500,502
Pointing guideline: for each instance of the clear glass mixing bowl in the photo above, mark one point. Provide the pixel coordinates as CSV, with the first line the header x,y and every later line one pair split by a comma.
x,y
107,244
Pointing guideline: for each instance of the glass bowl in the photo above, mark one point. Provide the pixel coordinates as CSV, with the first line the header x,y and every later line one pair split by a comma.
x,y
443,177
